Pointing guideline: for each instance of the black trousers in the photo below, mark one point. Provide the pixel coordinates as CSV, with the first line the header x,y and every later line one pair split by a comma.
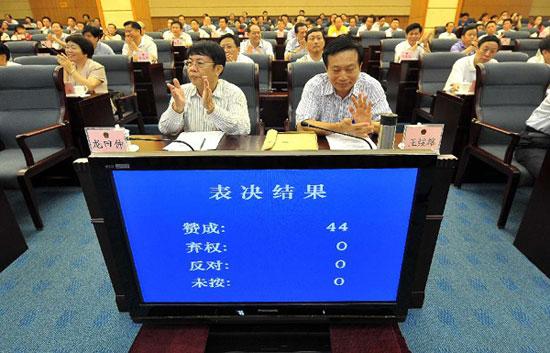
x,y
532,149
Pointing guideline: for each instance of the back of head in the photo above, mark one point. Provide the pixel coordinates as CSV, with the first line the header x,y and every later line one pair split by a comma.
x,y
4,50
210,49
94,31
86,47
340,44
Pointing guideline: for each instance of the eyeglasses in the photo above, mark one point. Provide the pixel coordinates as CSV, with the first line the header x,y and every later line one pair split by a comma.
x,y
199,64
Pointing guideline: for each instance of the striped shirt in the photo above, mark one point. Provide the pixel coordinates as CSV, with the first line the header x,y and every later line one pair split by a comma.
x,y
264,47
320,102
230,114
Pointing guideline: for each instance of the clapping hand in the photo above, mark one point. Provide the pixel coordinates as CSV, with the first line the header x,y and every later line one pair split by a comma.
x,y
361,111
177,94
207,100
66,63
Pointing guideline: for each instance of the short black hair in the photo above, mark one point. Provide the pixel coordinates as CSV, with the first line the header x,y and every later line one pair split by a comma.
x,y
19,26
462,31
488,39
233,37
298,25
489,22
71,18
177,23
133,24
507,20
222,18
94,31
46,18
4,50
395,19
544,44
208,48
446,24
413,26
86,47
464,14
313,30
110,24
340,44
249,28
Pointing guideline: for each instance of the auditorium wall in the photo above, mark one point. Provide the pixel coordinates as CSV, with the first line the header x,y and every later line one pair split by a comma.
x,y
17,8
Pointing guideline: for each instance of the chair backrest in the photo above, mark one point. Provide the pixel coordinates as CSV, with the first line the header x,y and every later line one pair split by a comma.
x,y
442,45
116,45
119,72
507,94
297,56
508,56
387,51
22,48
370,38
39,37
264,64
273,42
269,35
527,46
353,31
516,35
164,48
34,31
37,60
399,34
155,35
435,68
246,77
438,30
32,97
194,36
298,75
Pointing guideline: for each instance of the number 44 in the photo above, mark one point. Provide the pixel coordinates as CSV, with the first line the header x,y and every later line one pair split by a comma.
x,y
332,227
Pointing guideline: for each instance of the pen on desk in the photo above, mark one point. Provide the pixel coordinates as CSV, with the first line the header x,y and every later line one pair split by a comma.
x,y
202,144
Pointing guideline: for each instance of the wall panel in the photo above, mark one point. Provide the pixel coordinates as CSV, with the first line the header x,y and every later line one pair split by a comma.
x,y
17,8
59,10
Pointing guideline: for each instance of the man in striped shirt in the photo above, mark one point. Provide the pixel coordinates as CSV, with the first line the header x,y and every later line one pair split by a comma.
x,y
207,103
343,99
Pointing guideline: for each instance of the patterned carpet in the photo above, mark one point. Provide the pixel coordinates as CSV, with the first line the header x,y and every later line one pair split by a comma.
x,y
482,296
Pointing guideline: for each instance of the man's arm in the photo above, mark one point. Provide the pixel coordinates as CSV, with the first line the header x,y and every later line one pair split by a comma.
x,y
456,76
171,122
234,120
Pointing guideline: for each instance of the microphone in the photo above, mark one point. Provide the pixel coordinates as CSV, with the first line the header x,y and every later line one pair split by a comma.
x,y
160,140
304,123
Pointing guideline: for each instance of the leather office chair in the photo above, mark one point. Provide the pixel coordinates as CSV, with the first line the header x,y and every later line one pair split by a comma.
x,y
387,54
120,79
399,34
269,35
22,48
298,75
166,58
155,35
39,37
34,31
506,95
296,56
37,60
33,128
116,45
370,38
246,77
194,36
527,46
516,35
438,30
511,56
264,64
442,45
353,31
434,71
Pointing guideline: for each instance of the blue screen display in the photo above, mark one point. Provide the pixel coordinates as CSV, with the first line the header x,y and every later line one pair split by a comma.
x,y
267,236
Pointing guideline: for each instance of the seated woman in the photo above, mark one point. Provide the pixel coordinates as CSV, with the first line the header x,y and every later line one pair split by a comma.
x,y
416,44
464,69
57,36
79,68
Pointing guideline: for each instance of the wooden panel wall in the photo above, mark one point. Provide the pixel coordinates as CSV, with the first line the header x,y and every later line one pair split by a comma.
x,y
540,7
476,7
17,8
59,10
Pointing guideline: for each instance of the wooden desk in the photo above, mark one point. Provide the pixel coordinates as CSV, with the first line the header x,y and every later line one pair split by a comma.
x,y
150,88
274,108
95,110
533,237
12,243
434,217
402,83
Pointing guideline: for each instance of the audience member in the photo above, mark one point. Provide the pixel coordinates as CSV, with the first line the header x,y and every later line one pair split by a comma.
x,y
196,29
516,21
394,27
97,23
4,34
80,26
281,29
484,18
208,103
337,28
136,44
21,33
186,27
79,68
543,54
343,99
5,56
368,24
231,46
86,19
380,24
506,27
292,34
176,32
503,16
415,45
29,23
111,33
490,29
264,26
537,24
465,19
467,44
255,44
448,34
297,45
223,29
93,35
10,20
207,24
315,44
57,36
464,71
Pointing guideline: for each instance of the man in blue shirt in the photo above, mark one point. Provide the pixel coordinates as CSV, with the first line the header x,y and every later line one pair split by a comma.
x,y
93,35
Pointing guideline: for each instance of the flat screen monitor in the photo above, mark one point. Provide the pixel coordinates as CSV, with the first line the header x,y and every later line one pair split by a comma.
x,y
239,236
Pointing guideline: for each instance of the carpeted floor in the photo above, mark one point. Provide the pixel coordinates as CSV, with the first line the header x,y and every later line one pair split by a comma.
x,y
483,295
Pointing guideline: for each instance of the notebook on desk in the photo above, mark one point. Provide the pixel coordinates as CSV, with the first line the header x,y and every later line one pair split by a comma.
x,y
290,141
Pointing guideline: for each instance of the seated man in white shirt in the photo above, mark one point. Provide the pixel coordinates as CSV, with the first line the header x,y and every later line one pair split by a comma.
x,y
367,25
230,44
208,103
394,27
281,29
535,139
195,29
176,32
135,43
491,30
5,56
255,44
207,24
464,70
506,27
381,24
297,45
343,99
315,43
415,45
448,34
543,54
223,29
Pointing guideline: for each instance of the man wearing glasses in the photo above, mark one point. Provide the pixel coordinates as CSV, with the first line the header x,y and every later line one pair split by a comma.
x,y
207,103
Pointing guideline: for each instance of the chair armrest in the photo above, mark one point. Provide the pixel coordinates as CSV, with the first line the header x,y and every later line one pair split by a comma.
x,y
477,125
21,139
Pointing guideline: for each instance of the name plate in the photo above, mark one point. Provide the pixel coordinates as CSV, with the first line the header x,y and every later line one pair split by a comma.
x,y
423,137
106,139
177,42
143,56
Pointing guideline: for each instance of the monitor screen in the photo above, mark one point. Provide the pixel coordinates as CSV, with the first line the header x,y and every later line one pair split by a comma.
x,y
266,236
